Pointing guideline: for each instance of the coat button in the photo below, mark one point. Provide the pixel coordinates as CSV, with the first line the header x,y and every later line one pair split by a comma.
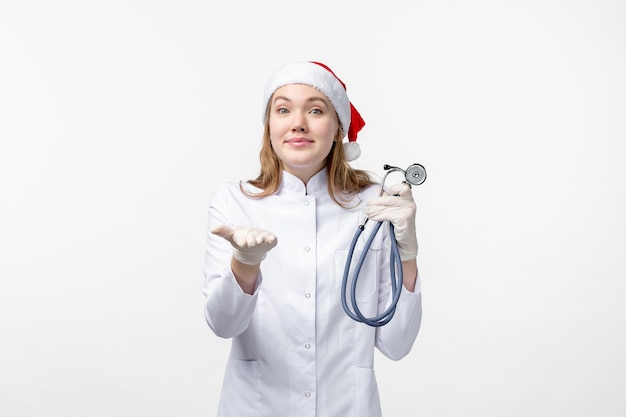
x,y
307,249
307,346
307,295
307,394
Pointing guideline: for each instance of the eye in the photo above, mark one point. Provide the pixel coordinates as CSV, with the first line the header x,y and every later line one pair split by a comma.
x,y
282,110
316,111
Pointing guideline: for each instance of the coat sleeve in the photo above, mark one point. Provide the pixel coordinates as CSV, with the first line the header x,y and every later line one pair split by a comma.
x,y
395,339
228,310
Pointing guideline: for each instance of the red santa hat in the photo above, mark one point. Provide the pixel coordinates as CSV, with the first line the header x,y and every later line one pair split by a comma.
x,y
318,75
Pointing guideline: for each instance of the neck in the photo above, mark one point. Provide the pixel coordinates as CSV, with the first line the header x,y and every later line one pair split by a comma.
x,y
304,175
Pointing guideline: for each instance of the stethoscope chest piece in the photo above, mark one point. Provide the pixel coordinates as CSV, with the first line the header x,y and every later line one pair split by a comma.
x,y
415,174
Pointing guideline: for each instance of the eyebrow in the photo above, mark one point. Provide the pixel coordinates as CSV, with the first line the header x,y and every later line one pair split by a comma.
x,y
309,99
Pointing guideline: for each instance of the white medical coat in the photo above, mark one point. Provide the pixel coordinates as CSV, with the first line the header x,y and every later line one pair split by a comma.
x,y
294,350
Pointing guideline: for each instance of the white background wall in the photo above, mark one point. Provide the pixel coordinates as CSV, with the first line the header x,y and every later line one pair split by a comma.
x,y
119,118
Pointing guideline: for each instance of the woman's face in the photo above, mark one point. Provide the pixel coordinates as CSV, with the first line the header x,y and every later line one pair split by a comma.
x,y
302,125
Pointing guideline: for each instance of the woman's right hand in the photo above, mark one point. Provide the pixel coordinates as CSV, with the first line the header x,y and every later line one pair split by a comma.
x,y
250,244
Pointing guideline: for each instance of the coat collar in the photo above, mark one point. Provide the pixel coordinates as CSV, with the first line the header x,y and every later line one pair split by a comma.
x,y
293,185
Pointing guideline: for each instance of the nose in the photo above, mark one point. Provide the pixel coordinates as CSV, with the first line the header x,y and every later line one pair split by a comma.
x,y
299,122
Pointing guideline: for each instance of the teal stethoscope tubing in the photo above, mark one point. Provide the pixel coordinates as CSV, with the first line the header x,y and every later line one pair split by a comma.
x,y
395,264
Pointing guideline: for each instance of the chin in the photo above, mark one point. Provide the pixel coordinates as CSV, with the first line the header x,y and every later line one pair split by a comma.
x,y
305,164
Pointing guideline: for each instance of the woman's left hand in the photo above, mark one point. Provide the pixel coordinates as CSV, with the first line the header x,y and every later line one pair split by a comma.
x,y
399,209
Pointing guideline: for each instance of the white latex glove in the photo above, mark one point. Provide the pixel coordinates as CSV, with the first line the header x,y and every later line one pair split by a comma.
x,y
250,244
399,209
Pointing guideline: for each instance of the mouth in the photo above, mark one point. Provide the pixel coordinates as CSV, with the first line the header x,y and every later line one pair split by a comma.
x,y
299,142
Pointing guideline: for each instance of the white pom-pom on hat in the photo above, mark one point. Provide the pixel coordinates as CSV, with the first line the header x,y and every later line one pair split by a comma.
x,y
319,76
352,150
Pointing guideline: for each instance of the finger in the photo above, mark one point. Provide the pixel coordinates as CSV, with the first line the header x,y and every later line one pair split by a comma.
x,y
251,238
265,238
400,189
240,238
223,231
378,213
390,201
269,239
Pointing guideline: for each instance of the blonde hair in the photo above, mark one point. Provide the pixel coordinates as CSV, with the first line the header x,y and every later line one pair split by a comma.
x,y
343,180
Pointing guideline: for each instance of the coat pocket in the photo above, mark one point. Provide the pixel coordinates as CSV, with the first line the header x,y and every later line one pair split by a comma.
x,y
366,393
240,391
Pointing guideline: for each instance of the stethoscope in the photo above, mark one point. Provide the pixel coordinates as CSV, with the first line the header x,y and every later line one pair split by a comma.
x,y
414,175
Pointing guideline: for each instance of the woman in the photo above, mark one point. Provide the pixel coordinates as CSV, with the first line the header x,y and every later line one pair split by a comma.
x,y
276,254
